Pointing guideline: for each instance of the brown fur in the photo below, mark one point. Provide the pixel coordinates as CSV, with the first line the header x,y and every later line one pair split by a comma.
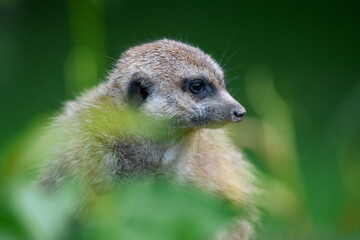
x,y
95,146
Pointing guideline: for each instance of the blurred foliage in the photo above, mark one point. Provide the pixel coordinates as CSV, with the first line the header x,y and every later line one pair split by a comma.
x,y
146,210
293,65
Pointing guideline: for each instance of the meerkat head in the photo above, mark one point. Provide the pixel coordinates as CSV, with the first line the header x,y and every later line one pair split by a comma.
x,y
177,81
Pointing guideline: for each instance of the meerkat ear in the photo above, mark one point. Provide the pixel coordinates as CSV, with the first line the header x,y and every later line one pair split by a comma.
x,y
138,91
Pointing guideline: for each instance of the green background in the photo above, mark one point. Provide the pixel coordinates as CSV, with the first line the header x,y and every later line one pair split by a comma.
x,y
295,66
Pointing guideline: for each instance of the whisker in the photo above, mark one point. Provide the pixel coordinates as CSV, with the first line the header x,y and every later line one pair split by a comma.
x,y
225,51
231,56
111,58
229,70
228,80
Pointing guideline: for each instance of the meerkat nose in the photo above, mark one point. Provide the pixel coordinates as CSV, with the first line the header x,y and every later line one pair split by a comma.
x,y
238,114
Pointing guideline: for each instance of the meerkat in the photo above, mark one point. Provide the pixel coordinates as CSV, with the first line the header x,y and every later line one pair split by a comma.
x,y
169,82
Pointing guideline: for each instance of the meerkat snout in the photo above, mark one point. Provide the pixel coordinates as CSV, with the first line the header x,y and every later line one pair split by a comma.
x,y
237,113
225,109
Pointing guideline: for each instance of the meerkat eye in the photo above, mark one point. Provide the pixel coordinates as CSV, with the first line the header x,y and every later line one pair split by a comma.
x,y
197,86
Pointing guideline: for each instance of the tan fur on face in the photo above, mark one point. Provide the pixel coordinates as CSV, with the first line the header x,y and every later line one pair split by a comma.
x,y
97,148
170,59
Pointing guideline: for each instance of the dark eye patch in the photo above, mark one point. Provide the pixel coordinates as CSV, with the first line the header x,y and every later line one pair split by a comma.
x,y
199,88
138,90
